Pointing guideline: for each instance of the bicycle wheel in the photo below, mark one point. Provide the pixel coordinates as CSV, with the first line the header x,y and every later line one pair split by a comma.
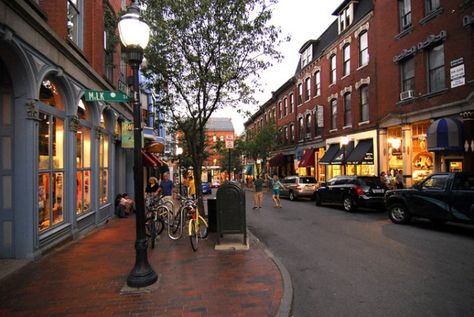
x,y
203,230
175,223
150,231
160,225
193,235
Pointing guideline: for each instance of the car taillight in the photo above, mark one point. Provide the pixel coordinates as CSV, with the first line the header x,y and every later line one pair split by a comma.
x,y
359,190
298,187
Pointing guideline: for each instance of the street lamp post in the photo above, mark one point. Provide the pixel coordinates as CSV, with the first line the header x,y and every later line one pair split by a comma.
x,y
179,151
344,142
134,34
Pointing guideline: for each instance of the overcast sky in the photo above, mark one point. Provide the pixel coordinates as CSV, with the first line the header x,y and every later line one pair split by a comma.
x,y
302,20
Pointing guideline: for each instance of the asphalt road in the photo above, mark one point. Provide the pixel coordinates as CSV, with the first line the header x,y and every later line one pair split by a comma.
x,y
360,264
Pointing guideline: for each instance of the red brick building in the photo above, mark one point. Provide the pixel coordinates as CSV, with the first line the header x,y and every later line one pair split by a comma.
x,y
218,129
368,92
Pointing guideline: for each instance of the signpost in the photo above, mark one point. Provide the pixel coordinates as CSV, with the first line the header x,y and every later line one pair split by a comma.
x,y
105,95
229,144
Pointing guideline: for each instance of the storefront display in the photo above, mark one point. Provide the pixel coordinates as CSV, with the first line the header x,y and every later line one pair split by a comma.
x,y
395,155
104,168
422,163
51,176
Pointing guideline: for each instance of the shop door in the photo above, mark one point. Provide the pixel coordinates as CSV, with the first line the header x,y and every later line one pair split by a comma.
x,y
6,165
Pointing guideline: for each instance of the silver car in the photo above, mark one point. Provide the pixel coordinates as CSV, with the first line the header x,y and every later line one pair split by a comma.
x,y
295,187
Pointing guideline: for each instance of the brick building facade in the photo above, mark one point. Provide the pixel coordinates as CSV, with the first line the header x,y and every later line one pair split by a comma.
x,y
355,111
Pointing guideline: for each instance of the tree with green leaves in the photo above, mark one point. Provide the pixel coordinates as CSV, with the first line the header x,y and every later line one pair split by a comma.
x,y
259,145
204,55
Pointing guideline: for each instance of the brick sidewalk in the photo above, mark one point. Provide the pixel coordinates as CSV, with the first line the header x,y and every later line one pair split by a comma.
x,y
85,277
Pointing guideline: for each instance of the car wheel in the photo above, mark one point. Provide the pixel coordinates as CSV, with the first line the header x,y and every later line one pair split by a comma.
x,y
398,213
348,203
317,198
292,196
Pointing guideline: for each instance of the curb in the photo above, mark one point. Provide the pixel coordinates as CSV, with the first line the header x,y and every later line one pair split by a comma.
x,y
286,303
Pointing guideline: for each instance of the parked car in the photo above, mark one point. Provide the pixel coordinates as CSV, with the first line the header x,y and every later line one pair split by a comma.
x,y
352,192
295,187
206,188
440,197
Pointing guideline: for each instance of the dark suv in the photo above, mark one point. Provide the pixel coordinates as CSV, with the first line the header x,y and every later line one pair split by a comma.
x,y
440,197
352,192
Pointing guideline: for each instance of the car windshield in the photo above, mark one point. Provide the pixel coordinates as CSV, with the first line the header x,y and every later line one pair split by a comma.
x,y
307,180
369,181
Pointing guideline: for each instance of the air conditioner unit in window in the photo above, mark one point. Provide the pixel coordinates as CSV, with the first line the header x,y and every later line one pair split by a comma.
x,y
407,94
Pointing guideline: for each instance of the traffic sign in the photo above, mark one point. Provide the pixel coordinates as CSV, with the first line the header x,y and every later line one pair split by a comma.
x,y
105,95
229,144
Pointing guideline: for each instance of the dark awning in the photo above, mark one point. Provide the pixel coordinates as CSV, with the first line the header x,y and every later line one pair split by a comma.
x,y
340,157
329,155
363,153
277,160
308,158
445,134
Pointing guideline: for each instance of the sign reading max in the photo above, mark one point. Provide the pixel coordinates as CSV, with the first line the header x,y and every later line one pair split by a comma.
x,y
105,95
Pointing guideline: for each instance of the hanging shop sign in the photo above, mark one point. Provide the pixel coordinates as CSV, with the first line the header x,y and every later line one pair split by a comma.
x,y
127,135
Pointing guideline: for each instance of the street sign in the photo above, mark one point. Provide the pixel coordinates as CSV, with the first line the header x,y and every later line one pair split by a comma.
x,y
105,95
229,144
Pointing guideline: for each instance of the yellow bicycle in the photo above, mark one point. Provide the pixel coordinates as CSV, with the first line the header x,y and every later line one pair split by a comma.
x,y
197,227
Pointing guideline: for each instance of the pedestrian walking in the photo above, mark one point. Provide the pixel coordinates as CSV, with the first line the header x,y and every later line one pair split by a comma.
x,y
258,192
399,179
276,185
192,187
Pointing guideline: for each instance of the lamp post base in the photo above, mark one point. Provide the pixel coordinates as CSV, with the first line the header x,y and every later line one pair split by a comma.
x,y
142,274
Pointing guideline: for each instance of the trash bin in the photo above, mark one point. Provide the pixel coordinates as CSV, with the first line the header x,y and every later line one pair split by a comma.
x,y
231,210
212,214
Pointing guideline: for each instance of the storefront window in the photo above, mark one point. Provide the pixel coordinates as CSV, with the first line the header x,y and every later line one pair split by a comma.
x,y
104,169
422,159
394,142
83,174
51,176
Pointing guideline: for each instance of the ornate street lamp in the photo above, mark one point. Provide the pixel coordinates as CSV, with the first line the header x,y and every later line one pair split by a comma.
x,y
134,34
344,143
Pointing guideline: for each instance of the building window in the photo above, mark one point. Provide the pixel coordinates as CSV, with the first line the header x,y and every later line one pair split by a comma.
x,y
103,161
407,70
51,171
363,49
346,59
405,13
345,17
347,110
280,111
308,123
364,103
308,89
431,5
292,103
83,161
292,133
333,114
285,106
50,158
436,68
285,135
74,21
300,128
306,56
318,120
332,77
110,40
317,83
300,93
